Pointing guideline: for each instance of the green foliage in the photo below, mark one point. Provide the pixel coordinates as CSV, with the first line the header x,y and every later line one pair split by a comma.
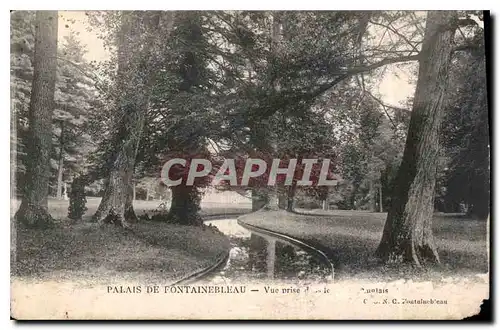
x,y
465,136
22,44
75,99
215,83
239,82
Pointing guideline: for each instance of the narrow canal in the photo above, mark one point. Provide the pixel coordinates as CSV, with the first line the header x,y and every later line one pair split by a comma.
x,y
257,257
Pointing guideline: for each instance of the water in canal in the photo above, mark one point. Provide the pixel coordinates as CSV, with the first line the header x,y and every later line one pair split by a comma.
x,y
256,257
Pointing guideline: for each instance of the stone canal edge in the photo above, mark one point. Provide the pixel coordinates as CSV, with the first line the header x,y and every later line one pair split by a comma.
x,y
312,248
221,260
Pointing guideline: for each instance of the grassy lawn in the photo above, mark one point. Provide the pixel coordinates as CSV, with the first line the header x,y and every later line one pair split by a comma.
x,y
163,252
351,237
152,252
59,208
85,252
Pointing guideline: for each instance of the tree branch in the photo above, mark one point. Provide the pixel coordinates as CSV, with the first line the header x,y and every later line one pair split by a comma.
x,y
362,69
465,47
77,66
390,28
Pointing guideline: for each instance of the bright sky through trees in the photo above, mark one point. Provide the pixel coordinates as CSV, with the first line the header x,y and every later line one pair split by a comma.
x,y
394,87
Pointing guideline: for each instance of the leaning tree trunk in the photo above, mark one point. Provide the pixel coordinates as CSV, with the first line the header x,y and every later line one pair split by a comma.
x,y
134,69
112,207
33,211
407,235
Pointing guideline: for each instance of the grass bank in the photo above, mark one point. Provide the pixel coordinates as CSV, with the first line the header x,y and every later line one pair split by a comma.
x,y
86,253
350,238
150,253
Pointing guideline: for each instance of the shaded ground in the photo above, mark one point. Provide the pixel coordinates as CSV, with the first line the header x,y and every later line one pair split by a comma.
x,y
84,252
351,237
152,252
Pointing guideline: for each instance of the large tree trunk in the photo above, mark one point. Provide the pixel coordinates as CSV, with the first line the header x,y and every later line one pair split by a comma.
x,y
265,139
112,207
273,200
33,211
185,206
263,196
134,69
407,235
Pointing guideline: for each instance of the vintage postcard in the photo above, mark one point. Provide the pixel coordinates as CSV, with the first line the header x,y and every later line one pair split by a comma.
x,y
250,165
